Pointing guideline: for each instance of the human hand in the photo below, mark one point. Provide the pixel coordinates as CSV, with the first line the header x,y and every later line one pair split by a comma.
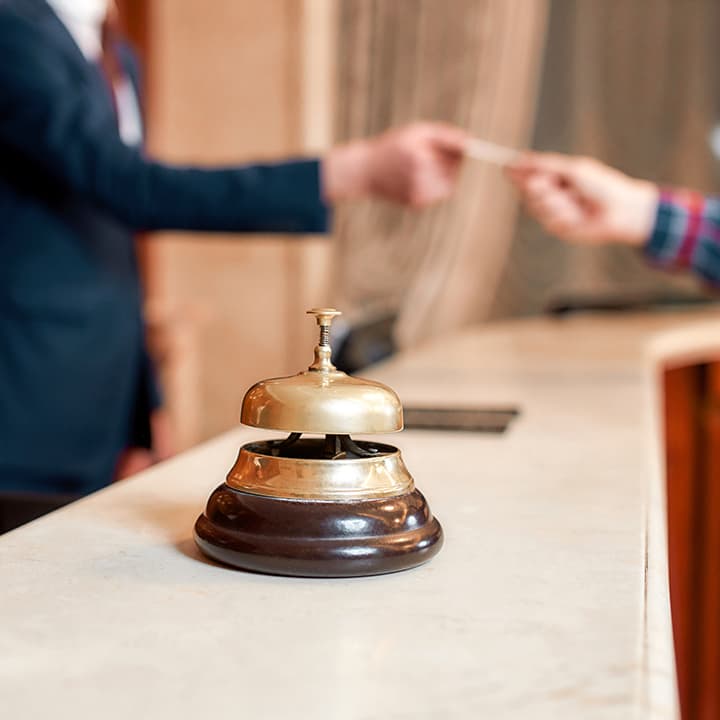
x,y
163,435
582,200
416,165
134,460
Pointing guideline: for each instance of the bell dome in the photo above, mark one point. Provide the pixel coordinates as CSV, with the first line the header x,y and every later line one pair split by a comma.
x,y
322,399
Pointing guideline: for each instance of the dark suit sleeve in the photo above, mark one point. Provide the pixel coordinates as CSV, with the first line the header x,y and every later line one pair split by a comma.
x,y
52,123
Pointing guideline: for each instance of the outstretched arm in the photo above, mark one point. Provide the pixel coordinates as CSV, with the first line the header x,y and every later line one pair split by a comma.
x,y
583,201
52,126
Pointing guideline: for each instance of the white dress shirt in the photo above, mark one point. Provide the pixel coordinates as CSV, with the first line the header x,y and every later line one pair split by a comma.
x,y
84,20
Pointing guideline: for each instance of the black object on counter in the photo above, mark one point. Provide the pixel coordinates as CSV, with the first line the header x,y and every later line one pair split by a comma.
x,y
624,302
486,420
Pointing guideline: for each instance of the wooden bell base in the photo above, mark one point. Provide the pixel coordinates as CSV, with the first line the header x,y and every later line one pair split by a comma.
x,y
318,539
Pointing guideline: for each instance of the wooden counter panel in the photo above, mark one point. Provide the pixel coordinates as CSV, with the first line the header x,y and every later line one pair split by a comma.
x,y
692,452
682,453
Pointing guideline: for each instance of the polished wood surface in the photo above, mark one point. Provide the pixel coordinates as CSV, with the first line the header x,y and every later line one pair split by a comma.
x,y
318,539
708,616
692,428
682,393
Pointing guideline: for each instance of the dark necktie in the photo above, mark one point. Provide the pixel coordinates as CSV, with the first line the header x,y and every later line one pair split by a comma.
x,y
109,60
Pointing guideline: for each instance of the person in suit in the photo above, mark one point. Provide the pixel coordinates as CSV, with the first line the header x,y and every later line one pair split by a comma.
x,y
76,382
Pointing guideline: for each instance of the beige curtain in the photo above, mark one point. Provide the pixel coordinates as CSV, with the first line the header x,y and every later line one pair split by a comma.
x,y
474,63
633,84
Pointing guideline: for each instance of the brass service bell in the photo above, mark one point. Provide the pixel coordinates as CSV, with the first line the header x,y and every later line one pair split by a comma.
x,y
324,505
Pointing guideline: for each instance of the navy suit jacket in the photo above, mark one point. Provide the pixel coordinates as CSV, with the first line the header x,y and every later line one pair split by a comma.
x,y
75,380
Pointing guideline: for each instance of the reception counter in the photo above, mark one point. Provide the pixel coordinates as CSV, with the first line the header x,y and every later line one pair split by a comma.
x,y
549,599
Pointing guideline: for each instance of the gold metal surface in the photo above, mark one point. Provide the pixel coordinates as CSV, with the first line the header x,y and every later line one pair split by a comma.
x,y
324,318
322,402
316,479
322,399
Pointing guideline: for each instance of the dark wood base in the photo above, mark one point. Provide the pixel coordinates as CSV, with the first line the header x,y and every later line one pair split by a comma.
x,y
318,539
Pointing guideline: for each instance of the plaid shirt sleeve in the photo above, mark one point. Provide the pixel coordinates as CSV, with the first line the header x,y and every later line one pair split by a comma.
x,y
687,234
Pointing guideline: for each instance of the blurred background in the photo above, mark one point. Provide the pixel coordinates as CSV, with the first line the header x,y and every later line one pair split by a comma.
x,y
632,83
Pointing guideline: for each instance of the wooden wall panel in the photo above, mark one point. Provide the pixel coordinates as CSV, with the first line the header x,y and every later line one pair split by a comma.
x,y
225,84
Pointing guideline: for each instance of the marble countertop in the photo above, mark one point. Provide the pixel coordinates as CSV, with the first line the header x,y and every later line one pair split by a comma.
x,y
548,600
